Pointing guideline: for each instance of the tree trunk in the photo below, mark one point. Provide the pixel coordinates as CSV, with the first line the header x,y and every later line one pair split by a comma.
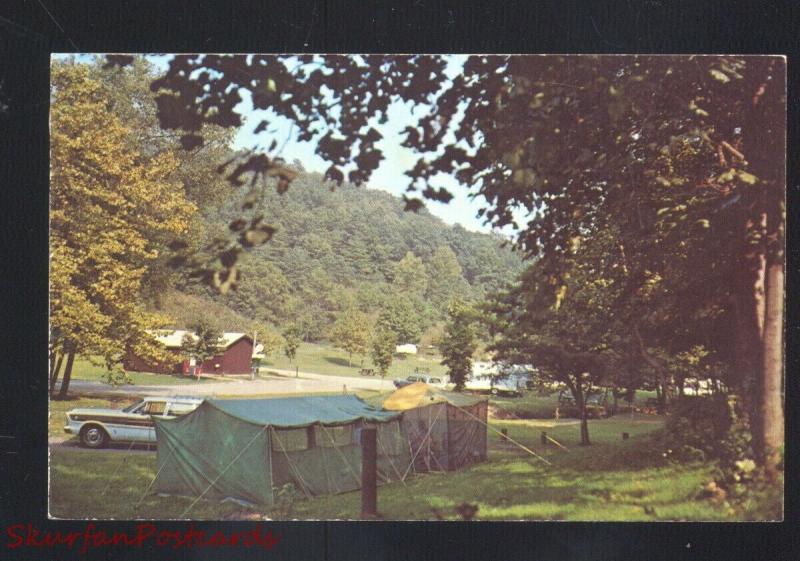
x,y
350,359
52,357
661,377
54,373
580,401
584,425
62,392
771,401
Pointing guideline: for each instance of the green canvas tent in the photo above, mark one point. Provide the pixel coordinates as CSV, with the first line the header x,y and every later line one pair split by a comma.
x,y
248,448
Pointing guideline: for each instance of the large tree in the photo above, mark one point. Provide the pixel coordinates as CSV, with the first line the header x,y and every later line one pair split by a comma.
x,y
458,343
382,347
112,211
350,332
557,139
561,317
204,342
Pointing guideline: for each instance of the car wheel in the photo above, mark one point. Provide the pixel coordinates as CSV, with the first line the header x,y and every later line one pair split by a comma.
x,y
93,436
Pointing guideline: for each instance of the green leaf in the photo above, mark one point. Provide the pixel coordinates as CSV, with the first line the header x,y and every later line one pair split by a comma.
x,y
748,178
727,176
719,76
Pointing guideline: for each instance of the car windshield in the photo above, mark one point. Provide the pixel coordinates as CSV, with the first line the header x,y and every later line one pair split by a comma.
x,y
435,381
132,406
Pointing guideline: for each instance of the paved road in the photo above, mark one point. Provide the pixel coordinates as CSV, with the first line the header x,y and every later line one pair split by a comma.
x,y
283,383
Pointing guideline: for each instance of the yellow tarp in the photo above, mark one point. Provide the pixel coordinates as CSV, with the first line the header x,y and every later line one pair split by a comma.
x,y
420,394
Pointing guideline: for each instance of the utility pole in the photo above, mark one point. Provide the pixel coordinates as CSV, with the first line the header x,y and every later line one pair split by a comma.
x,y
252,357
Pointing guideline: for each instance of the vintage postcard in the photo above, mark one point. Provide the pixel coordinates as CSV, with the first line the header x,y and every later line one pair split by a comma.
x,y
417,287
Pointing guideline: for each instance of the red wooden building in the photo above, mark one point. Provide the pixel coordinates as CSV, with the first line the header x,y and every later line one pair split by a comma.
x,y
236,357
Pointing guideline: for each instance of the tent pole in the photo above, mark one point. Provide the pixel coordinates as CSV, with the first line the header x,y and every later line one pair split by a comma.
x,y
428,455
171,451
421,446
388,457
116,471
369,470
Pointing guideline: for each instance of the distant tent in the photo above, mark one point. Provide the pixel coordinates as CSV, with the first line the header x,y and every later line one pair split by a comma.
x,y
248,448
446,430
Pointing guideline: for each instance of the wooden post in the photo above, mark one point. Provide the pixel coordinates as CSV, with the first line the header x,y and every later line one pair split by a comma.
x,y
544,438
625,436
296,371
369,469
504,435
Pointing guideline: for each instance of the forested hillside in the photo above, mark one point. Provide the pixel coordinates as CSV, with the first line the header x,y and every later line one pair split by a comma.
x,y
345,253
354,248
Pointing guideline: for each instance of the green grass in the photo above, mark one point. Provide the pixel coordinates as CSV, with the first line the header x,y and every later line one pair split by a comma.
x,y
85,370
324,359
534,406
610,480
105,485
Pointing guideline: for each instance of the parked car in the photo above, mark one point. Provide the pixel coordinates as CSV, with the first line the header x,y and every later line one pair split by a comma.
x,y
96,427
495,385
430,380
595,406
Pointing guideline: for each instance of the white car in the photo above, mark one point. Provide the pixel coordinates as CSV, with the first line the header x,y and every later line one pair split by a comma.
x,y
96,427
427,379
496,385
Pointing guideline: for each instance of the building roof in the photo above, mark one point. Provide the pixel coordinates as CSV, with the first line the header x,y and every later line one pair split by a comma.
x,y
302,411
420,394
173,339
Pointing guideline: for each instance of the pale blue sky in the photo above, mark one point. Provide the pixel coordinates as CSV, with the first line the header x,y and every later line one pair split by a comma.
x,y
388,177
390,174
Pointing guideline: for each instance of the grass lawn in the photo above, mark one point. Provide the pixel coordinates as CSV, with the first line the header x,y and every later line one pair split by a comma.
x,y
610,480
89,484
324,359
84,370
534,406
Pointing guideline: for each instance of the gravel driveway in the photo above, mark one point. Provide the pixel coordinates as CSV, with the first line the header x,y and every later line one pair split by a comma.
x,y
284,382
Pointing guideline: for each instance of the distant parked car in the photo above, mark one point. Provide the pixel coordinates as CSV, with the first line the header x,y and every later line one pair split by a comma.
x,y
430,380
96,427
495,385
595,406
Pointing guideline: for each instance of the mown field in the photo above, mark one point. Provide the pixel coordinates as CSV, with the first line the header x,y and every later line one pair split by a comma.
x,y
324,359
85,370
319,358
534,406
613,479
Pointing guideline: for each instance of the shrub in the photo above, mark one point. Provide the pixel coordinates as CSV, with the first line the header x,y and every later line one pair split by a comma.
x,y
709,427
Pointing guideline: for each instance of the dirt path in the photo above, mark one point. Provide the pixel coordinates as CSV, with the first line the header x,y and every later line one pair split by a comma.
x,y
284,383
